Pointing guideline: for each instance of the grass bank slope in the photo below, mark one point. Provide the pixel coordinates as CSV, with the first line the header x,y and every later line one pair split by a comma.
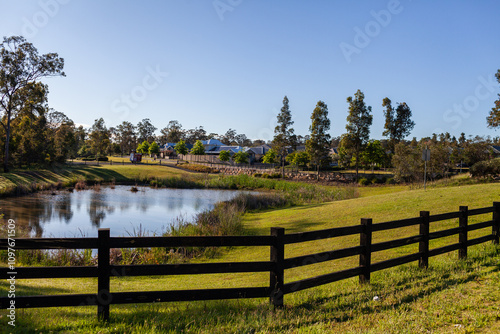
x,y
26,181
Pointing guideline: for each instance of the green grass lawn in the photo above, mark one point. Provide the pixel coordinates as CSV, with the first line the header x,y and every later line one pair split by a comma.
x,y
23,181
455,296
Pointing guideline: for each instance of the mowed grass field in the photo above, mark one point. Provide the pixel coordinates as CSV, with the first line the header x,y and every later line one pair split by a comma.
x,y
454,296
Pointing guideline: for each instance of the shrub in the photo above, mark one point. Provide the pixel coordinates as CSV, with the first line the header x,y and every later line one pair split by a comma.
x,y
486,168
200,168
102,159
390,181
363,181
257,175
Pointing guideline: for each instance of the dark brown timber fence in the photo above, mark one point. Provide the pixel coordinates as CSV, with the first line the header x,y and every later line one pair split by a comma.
x,y
276,266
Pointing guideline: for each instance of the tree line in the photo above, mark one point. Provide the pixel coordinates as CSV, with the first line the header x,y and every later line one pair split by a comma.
x,y
33,133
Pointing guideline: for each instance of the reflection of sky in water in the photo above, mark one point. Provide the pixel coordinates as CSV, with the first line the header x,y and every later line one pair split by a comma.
x,y
82,212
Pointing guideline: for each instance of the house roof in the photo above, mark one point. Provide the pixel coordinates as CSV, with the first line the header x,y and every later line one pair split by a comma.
x,y
496,149
262,149
218,149
212,142
167,146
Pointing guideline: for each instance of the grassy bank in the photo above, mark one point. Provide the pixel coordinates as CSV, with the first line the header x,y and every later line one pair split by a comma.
x,y
26,181
451,296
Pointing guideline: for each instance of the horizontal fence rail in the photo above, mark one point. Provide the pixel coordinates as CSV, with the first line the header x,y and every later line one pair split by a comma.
x,y
276,266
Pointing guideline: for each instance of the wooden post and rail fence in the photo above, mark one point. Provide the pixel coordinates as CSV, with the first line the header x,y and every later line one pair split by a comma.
x,y
276,266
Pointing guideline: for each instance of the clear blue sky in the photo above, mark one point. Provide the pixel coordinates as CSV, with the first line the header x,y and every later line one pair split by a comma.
x,y
228,63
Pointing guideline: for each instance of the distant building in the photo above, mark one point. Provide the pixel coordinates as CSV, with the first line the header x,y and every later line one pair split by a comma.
x,y
256,153
211,144
168,150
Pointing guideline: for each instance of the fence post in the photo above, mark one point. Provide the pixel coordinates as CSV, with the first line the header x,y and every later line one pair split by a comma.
x,y
366,253
103,271
277,274
496,222
423,245
462,235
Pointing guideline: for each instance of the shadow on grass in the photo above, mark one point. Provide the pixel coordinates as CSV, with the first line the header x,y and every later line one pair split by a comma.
x,y
28,290
397,288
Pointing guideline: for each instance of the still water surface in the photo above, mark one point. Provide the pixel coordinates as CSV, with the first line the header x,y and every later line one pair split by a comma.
x,y
81,213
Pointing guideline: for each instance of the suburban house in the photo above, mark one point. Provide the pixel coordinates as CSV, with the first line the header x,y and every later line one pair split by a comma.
x,y
210,144
168,150
256,153
213,147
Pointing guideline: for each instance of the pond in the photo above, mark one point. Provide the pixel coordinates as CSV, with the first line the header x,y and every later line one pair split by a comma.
x,y
81,213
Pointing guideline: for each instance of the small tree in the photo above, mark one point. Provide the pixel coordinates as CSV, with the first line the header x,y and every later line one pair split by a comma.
x,y
300,158
241,157
181,148
318,145
143,147
270,157
374,154
284,137
407,162
198,148
224,156
99,138
154,148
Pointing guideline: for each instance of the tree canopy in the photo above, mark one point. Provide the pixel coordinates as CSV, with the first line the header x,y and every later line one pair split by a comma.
x,y
358,125
284,137
318,145
241,157
270,157
198,148
21,68
99,138
145,130
181,148
224,156
398,123
494,117
154,148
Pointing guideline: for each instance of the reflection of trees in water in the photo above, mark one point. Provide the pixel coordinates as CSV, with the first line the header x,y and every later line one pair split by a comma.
x,y
32,212
29,212
174,203
143,201
199,203
63,207
98,208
